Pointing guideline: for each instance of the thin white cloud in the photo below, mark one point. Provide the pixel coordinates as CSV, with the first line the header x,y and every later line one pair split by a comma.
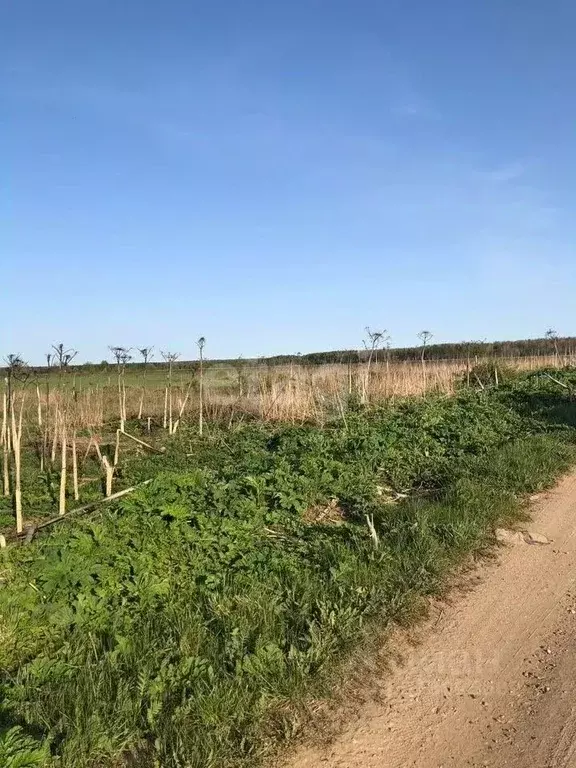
x,y
415,109
504,173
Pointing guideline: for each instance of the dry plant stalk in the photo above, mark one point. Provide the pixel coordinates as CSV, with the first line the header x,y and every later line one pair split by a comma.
x,y
146,353
5,446
143,444
122,356
39,406
182,407
63,468
109,470
16,448
55,436
75,467
201,343
107,467
170,358
117,446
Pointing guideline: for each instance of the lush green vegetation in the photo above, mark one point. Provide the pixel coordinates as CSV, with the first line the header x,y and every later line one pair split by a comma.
x,y
186,625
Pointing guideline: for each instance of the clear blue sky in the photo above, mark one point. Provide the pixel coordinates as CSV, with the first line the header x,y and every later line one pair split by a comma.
x,y
277,175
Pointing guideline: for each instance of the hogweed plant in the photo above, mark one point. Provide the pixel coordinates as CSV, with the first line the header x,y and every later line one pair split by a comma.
x,y
147,355
122,356
424,337
372,343
170,358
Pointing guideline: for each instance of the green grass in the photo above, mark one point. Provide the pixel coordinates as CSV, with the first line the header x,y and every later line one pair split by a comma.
x,y
156,376
187,625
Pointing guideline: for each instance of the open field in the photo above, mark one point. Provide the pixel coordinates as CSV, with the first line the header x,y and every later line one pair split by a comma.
x,y
194,621
70,450
295,392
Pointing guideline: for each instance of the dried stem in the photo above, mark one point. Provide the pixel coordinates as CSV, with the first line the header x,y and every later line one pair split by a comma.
x,y
75,467
63,468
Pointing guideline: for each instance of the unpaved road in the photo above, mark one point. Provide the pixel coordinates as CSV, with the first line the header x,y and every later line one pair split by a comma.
x,y
492,681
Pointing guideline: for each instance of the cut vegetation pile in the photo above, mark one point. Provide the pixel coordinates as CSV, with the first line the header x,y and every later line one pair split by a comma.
x,y
188,624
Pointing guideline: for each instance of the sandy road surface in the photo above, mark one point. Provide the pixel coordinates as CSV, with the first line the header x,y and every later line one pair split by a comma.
x,y
493,680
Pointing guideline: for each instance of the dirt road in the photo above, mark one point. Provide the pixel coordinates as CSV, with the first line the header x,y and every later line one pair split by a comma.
x,y
493,680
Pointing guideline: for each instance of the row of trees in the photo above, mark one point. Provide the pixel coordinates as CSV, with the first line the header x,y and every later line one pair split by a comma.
x,y
549,344
142,357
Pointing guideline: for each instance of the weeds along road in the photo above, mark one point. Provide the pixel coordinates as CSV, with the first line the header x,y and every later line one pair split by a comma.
x,y
492,681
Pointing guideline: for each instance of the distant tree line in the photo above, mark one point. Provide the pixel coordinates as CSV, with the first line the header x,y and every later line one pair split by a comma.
x,y
551,344
548,345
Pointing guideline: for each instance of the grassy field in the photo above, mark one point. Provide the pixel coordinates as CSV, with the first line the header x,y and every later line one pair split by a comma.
x,y
190,623
87,405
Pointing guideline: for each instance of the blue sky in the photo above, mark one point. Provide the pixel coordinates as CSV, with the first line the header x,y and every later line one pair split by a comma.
x,y
276,176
